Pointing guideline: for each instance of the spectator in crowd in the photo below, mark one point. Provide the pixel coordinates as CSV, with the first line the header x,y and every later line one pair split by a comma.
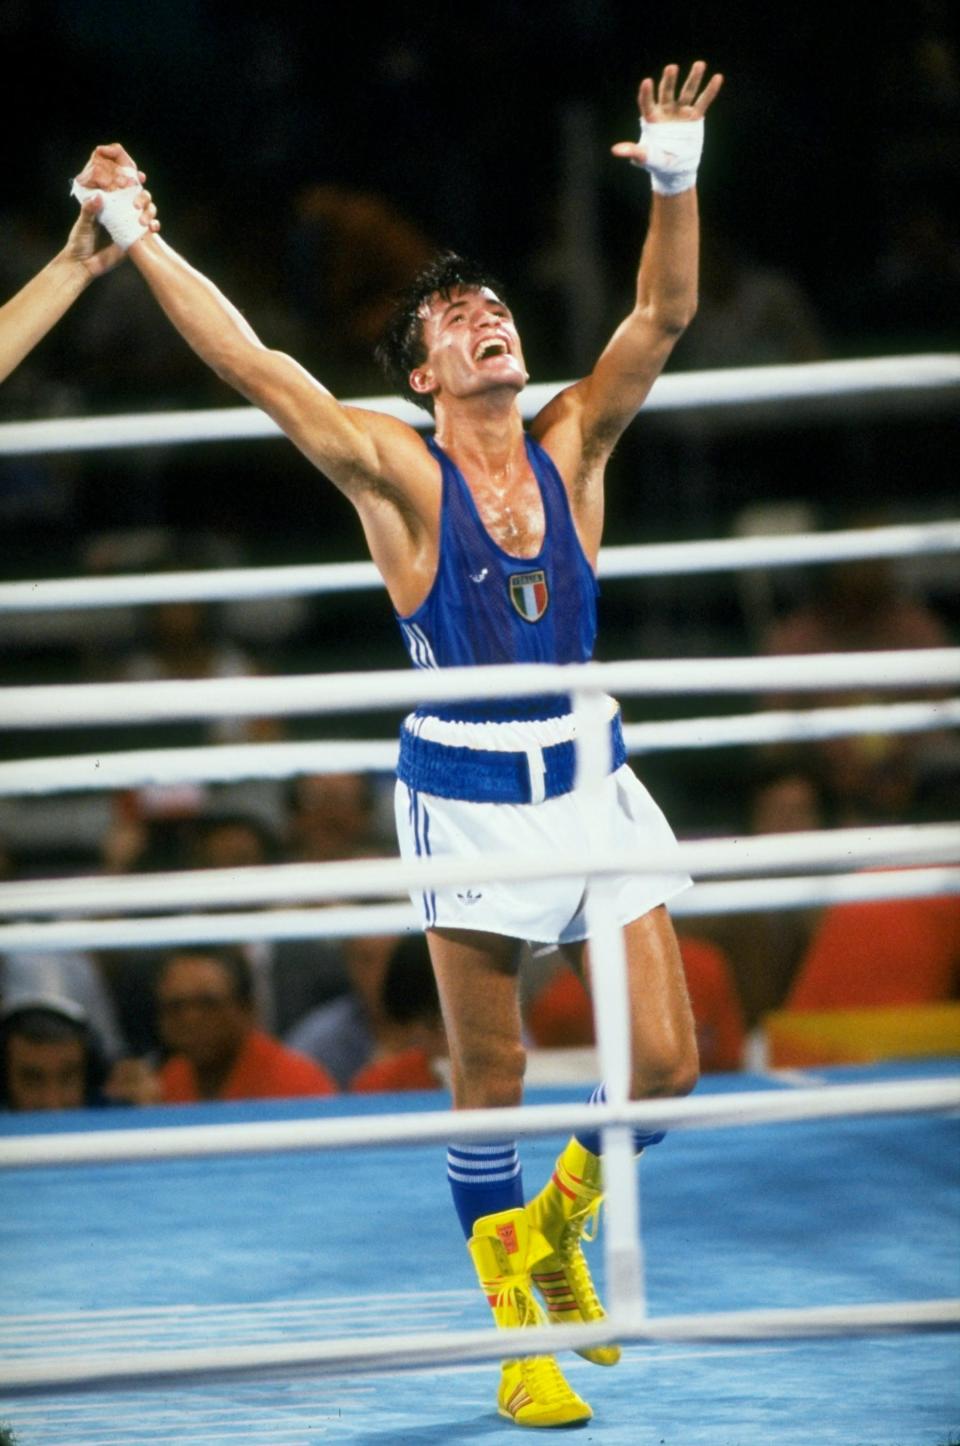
x,y
410,1038
560,1014
50,1056
71,977
343,1034
891,952
152,830
215,1049
331,816
233,841
859,606
748,314
292,976
764,948
184,641
349,254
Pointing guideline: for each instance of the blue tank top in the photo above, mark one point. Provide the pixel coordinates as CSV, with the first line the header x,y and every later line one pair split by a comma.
x,y
486,606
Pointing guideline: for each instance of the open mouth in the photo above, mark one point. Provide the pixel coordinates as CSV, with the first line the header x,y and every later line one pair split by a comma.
x,y
494,346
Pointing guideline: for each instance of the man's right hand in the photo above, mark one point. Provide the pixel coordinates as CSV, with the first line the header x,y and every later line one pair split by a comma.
x,y
133,1082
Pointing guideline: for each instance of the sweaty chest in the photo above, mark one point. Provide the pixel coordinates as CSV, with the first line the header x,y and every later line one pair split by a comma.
x,y
512,513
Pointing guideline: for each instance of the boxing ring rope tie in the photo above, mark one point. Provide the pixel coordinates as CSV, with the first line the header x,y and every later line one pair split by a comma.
x,y
825,386
659,559
229,762
112,704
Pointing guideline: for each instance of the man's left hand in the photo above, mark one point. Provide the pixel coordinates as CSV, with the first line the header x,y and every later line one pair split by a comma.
x,y
664,104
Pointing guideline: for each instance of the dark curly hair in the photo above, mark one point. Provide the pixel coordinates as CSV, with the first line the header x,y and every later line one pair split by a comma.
x,y
231,959
43,1019
401,347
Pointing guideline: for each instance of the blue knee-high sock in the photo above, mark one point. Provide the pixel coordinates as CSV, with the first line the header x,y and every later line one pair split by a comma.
x,y
591,1140
484,1179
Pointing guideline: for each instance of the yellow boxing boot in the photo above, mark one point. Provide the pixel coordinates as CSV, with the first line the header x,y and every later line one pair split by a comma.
x,y
563,1213
533,1390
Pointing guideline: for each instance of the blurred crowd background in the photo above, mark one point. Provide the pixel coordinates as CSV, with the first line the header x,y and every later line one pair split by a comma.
x,y
309,160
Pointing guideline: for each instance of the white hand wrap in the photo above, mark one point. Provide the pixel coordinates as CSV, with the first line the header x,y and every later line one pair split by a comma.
x,y
673,154
119,215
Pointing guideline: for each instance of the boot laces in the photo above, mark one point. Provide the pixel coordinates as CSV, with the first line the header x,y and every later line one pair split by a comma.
x,y
584,1225
520,1299
544,1380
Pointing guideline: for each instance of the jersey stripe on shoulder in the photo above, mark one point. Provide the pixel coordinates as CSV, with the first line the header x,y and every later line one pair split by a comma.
x,y
418,645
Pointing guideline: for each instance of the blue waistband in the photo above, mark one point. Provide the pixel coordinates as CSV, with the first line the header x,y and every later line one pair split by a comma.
x,y
486,775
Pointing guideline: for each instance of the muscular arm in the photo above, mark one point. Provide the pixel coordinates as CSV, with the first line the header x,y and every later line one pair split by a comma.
x,y
379,462
581,426
347,444
666,301
355,448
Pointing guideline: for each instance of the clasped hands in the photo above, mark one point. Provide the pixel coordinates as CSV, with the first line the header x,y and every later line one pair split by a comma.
x,y
109,168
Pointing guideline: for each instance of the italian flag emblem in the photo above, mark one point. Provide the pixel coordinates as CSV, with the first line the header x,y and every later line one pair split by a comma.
x,y
528,593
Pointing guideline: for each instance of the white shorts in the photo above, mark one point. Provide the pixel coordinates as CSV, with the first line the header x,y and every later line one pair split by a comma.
x,y
548,911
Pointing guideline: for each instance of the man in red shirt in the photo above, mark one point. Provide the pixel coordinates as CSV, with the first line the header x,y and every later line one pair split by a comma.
x,y
207,1023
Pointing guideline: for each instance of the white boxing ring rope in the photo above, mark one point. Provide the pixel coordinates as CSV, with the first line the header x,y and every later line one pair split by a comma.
x,y
228,762
399,1352
350,921
905,845
112,704
829,385
651,559
703,1112
935,846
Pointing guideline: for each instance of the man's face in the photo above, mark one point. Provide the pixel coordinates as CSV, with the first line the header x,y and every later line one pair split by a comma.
x,y
787,805
200,1016
472,346
332,815
46,1076
231,846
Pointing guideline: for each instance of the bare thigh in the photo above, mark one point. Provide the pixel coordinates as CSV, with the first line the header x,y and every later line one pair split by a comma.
x,y
663,1039
476,977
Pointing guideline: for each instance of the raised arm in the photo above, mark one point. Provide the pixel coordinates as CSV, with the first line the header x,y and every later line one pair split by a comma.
x,y
600,407
28,316
356,449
